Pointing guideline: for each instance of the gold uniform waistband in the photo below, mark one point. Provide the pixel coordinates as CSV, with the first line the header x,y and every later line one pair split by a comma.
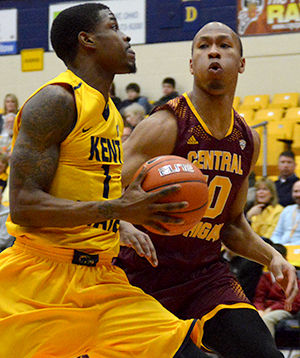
x,y
64,255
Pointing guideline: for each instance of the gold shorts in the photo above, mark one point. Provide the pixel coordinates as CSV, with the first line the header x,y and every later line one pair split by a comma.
x,y
50,307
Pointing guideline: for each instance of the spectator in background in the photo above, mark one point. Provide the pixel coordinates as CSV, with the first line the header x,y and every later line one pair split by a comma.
x,y
3,171
7,132
10,105
169,91
287,177
117,100
133,96
126,132
134,114
264,215
287,231
6,240
270,299
251,195
247,272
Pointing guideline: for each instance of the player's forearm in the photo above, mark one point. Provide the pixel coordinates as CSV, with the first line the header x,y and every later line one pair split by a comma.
x,y
39,209
240,238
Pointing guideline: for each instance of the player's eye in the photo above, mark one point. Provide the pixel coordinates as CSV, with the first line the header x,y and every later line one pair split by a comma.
x,y
115,27
203,46
224,45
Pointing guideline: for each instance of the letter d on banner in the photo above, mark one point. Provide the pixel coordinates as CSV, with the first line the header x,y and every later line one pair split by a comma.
x,y
191,14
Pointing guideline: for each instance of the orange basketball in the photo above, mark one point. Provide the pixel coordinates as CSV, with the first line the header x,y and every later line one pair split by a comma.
x,y
170,169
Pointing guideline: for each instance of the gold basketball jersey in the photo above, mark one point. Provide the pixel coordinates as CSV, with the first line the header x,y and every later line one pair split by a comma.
x,y
89,169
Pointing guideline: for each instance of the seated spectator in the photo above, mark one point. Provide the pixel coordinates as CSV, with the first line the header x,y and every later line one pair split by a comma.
x,y
270,298
264,215
6,240
287,178
251,195
117,100
10,105
247,272
126,132
134,114
169,92
3,171
133,96
287,231
7,132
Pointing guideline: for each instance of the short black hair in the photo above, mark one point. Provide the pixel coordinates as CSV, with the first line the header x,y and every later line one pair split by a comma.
x,y
170,81
68,24
134,87
288,153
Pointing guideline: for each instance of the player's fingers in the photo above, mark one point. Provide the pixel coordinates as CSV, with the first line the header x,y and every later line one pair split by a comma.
x,y
160,217
169,207
141,176
170,189
135,244
157,226
152,257
292,286
290,298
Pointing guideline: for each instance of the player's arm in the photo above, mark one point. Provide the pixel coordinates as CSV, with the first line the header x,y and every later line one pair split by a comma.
x,y
47,119
239,237
154,136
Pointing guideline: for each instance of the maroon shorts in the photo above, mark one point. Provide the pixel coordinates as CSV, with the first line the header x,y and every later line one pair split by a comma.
x,y
191,294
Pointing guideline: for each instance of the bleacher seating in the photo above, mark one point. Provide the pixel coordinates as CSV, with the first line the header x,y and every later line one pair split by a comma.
x,y
284,100
282,112
255,102
268,114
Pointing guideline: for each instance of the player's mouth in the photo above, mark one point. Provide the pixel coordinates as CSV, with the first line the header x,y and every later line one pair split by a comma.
x,y
131,53
215,67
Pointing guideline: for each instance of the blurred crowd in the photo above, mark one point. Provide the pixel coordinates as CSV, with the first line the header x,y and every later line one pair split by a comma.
x,y
272,209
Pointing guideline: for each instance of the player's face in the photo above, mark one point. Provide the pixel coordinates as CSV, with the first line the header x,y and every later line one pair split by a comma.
x,y
263,194
114,53
296,193
286,166
216,59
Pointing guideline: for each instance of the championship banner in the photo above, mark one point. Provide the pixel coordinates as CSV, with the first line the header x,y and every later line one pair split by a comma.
x,y
130,14
268,16
8,32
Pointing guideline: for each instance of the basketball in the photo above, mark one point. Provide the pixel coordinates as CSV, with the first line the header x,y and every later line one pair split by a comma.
x,y
168,170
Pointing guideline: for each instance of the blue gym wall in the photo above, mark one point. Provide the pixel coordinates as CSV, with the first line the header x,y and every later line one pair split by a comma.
x,y
166,20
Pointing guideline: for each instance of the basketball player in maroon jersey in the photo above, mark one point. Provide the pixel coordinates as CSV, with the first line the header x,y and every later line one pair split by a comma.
x,y
190,279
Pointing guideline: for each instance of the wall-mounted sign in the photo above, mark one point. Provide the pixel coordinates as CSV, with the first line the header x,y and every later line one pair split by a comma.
x,y
268,16
130,14
32,59
8,32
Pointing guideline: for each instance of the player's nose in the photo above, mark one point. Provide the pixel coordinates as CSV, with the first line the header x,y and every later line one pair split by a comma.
x,y
214,52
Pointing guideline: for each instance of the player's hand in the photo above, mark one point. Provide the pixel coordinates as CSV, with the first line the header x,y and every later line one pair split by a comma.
x,y
138,207
139,241
285,275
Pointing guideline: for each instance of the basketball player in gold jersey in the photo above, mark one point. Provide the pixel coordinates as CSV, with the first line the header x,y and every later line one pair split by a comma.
x,y
190,279
60,295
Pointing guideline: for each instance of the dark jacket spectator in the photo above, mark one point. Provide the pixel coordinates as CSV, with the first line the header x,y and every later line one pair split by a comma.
x,y
169,92
286,179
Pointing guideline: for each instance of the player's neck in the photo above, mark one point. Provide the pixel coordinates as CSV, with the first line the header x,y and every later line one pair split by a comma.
x,y
101,81
215,111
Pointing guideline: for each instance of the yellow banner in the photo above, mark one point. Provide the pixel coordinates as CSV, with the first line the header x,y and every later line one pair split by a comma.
x,y
268,16
32,59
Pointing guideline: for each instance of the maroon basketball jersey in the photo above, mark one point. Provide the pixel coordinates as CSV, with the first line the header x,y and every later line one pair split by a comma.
x,y
225,163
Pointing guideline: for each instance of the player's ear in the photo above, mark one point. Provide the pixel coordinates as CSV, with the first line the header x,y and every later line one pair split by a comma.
x,y
191,67
86,39
242,65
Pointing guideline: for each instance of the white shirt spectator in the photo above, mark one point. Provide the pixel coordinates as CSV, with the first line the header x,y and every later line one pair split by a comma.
x,y
287,231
